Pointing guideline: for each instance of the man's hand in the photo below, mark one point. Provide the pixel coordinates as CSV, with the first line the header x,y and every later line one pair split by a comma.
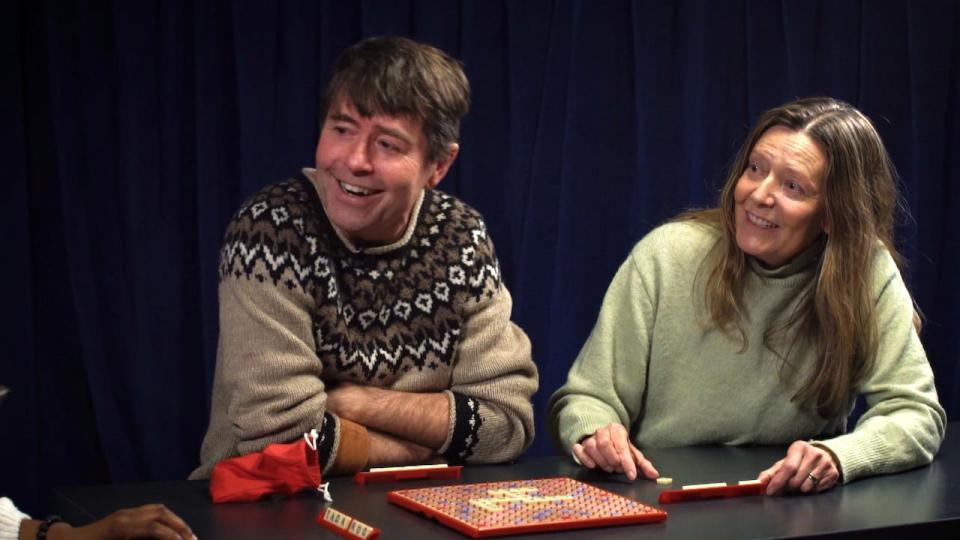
x,y
610,449
805,469
346,400
421,418
389,451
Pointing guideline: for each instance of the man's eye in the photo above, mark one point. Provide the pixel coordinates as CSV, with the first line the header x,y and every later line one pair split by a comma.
x,y
386,145
339,130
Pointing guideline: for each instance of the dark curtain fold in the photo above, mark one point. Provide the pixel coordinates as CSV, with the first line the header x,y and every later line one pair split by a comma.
x,y
132,130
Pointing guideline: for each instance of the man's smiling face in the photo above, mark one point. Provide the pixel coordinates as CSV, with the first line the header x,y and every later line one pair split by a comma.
x,y
371,171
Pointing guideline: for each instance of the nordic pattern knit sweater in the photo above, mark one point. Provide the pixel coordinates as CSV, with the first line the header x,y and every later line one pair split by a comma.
x,y
300,308
655,365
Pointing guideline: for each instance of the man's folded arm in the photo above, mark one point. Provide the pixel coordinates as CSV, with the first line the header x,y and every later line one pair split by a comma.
x,y
270,375
485,416
494,379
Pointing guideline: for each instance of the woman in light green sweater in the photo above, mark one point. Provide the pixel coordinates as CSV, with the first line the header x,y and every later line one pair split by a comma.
x,y
761,320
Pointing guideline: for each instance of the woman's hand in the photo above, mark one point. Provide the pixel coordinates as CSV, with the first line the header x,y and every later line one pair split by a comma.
x,y
610,449
805,469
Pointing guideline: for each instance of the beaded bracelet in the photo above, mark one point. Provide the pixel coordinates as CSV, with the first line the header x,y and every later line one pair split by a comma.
x,y
47,523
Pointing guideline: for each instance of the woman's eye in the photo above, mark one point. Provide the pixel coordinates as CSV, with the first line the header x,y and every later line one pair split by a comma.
x,y
793,187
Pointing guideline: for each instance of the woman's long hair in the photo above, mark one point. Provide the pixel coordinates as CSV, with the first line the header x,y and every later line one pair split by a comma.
x,y
860,199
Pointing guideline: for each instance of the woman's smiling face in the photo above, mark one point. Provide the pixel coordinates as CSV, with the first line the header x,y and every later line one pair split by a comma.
x,y
778,200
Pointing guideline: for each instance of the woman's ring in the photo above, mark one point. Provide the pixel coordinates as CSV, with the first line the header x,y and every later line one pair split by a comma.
x,y
813,479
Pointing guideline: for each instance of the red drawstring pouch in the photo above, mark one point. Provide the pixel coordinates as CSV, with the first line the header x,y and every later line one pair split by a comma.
x,y
279,468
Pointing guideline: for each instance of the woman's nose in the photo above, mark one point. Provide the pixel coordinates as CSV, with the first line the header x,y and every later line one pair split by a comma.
x,y
766,189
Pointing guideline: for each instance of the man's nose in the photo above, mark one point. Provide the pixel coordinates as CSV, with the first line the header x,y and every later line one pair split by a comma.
x,y
359,158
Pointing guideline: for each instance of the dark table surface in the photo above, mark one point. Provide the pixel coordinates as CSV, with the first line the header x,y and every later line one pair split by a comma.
x,y
922,501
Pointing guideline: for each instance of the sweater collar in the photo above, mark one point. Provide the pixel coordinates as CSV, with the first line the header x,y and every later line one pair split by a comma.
x,y
373,250
805,261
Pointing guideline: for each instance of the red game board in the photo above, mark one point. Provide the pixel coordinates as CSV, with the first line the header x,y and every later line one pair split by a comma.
x,y
522,506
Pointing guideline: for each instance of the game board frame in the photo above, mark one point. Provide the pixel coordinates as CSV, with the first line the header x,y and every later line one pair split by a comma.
x,y
404,498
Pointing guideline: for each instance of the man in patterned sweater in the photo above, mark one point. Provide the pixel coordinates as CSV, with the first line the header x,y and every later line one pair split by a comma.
x,y
358,301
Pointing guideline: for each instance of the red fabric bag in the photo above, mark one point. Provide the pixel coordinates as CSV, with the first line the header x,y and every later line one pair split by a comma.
x,y
279,468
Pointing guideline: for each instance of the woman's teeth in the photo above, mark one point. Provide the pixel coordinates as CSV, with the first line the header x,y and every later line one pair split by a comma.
x,y
760,222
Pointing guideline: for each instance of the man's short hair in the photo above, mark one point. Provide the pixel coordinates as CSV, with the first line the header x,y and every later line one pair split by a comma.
x,y
396,76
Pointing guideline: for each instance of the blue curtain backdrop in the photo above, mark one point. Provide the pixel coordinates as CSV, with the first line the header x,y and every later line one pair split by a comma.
x,y
132,130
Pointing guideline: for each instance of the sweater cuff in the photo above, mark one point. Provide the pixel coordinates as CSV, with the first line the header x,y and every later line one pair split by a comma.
x,y
465,422
857,457
10,519
327,443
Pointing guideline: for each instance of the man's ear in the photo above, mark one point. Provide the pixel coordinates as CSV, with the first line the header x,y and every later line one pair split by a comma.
x,y
442,165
